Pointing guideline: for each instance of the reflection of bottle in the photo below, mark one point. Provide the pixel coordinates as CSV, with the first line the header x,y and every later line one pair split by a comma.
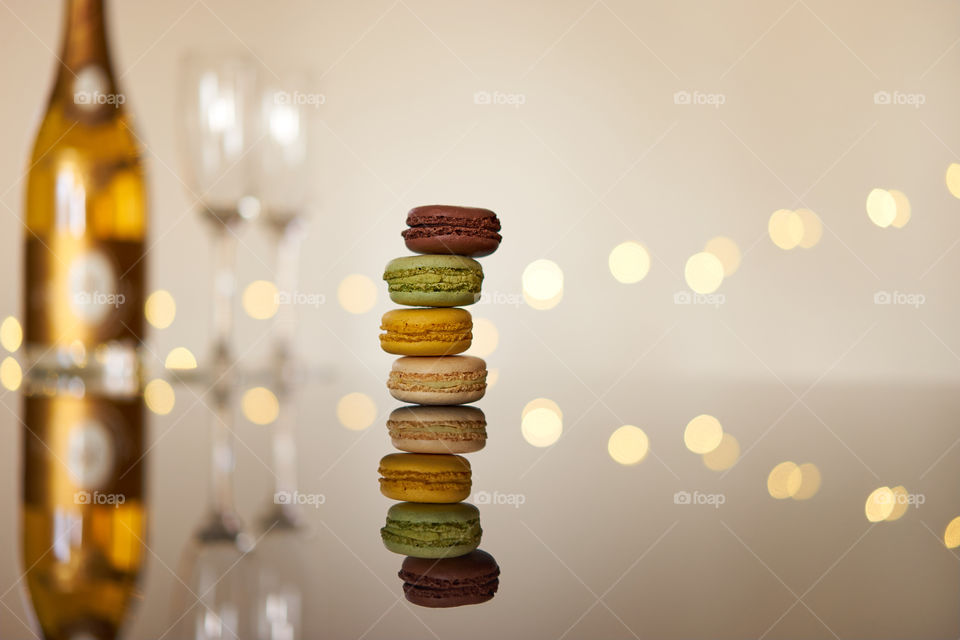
x,y
83,512
85,214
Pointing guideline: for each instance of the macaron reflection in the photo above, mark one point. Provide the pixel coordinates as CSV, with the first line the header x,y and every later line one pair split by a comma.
x,y
432,530
451,582
437,429
420,477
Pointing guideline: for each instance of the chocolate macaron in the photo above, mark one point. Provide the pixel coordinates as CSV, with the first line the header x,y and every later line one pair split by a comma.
x,y
450,582
461,231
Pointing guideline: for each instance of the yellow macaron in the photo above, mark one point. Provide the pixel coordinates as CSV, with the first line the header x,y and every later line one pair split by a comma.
x,y
424,477
426,332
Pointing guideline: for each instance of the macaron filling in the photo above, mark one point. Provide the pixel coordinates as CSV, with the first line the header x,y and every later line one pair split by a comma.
x,y
441,382
433,279
453,430
432,534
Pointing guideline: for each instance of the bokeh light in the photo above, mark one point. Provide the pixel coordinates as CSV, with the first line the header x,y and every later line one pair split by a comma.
x,y
812,228
951,537
260,405
542,284
953,179
881,207
11,334
629,262
628,445
703,272
356,411
180,358
727,252
357,294
159,397
784,480
724,456
703,434
485,338
879,504
492,376
901,500
541,422
11,375
810,480
903,209
260,299
160,309
785,228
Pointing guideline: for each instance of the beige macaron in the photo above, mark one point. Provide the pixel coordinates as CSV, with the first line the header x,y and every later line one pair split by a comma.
x,y
438,380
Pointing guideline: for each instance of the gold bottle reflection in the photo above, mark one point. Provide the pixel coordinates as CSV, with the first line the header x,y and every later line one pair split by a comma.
x,y
83,518
83,511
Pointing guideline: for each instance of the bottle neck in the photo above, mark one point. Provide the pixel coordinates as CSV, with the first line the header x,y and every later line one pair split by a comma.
x,y
84,41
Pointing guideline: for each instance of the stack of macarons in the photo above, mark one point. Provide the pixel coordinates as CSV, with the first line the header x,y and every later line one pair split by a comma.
x,y
430,477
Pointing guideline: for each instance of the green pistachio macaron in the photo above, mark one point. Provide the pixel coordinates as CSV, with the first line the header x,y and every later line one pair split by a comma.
x,y
432,530
434,280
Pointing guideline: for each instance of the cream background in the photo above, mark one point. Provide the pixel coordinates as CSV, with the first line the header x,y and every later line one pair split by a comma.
x,y
598,154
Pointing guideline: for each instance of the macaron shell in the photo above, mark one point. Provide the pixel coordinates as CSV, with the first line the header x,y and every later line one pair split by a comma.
x,y
445,229
434,280
438,446
438,381
431,479
425,492
468,579
437,397
432,530
461,244
415,551
426,332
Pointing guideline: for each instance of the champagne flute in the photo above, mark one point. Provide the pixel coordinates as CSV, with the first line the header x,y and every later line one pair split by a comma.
x,y
219,108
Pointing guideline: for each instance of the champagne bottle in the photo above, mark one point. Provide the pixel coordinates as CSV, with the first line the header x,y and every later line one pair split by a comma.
x,y
83,521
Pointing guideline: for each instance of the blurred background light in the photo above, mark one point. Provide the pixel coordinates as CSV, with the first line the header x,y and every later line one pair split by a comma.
x,y
160,309
812,228
784,480
724,456
703,272
881,207
260,405
727,252
703,434
879,504
541,422
260,299
159,397
357,294
356,411
10,373
785,228
180,358
11,334
485,339
628,445
629,262
542,284
903,209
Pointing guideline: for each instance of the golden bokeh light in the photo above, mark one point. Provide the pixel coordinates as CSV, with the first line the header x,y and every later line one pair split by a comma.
x,y
703,434
903,209
11,334
356,411
880,504
160,309
628,445
492,376
812,228
901,500
784,480
180,358
260,299
724,456
260,405
357,294
542,284
951,537
785,228
541,422
703,272
727,252
629,262
159,397
11,375
881,207
953,179
810,480
485,338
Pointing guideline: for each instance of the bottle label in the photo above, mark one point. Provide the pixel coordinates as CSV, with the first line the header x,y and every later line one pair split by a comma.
x,y
92,92
92,287
90,455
